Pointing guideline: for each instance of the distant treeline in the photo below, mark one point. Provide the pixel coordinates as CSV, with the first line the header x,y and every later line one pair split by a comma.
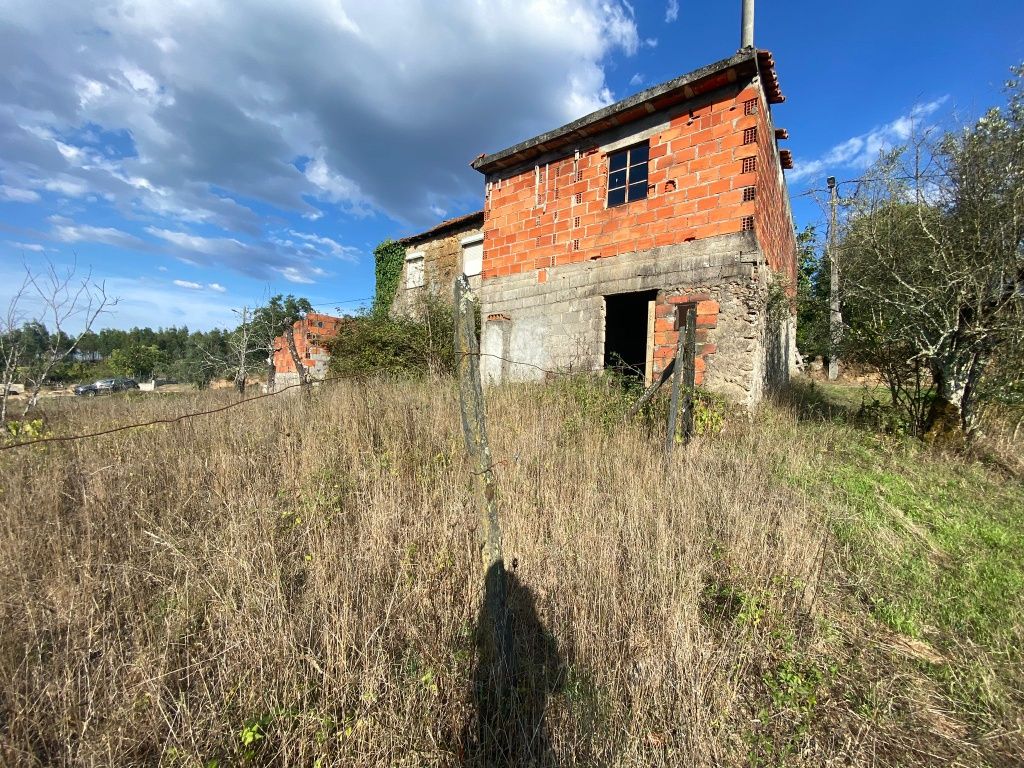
x,y
174,352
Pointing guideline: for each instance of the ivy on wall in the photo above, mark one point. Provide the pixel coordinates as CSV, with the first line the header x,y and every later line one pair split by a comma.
x,y
390,257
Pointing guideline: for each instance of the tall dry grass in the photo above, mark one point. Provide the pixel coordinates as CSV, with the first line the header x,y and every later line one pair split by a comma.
x,y
296,582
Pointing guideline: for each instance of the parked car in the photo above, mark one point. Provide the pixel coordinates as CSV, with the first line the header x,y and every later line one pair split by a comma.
x,y
104,386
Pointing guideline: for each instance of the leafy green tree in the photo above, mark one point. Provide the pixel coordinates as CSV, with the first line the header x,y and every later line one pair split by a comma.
x,y
812,294
932,258
138,360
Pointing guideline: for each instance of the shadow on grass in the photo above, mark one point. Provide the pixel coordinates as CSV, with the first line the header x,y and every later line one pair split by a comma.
x,y
509,699
810,401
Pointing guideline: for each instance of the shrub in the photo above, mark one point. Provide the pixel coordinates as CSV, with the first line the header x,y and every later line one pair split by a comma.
x,y
376,343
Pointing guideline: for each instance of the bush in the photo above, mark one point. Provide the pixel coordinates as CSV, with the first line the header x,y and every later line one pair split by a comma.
x,y
378,344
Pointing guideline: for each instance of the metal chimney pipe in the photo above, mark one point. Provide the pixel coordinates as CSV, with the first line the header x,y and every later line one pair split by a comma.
x,y
747,27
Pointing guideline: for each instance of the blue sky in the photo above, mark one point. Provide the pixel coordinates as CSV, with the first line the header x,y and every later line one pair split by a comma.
x,y
198,157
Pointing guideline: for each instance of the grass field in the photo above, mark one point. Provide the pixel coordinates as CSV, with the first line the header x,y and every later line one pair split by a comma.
x,y
296,582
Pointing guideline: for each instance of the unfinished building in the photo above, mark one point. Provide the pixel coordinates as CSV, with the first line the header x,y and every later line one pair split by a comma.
x,y
312,334
596,232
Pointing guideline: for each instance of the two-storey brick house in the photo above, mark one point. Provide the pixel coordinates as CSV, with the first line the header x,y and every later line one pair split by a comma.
x,y
595,232
312,333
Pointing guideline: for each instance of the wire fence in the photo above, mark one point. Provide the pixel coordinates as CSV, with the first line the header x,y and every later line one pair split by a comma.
x,y
247,401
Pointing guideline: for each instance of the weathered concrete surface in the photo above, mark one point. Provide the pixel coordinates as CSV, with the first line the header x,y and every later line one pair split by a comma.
x,y
442,263
559,324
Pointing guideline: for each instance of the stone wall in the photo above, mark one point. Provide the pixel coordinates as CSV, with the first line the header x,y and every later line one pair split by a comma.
x,y
442,263
554,319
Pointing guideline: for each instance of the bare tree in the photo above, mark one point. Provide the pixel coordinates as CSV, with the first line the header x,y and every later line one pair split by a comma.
x,y
11,344
240,353
67,305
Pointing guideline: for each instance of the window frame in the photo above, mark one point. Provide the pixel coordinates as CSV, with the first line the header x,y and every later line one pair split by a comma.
x,y
414,266
468,242
628,179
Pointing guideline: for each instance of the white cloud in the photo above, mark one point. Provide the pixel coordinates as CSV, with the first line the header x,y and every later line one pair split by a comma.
x,y
636,79
859,152
15,195
188,284
34,247
671,11
295,261
292,275
347,252
67,231
217,287
195,243
67,186
214,104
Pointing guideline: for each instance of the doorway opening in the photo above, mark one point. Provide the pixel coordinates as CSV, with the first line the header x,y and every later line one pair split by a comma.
x,y
629,333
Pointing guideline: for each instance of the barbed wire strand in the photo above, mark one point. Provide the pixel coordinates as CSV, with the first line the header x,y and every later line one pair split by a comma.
x,y
246,401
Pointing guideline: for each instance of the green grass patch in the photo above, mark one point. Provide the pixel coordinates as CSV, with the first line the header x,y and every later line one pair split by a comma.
x,y
934,547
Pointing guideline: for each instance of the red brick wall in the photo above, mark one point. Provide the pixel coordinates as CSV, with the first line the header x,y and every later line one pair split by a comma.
x,y
666,336
307,333
695,190
772,221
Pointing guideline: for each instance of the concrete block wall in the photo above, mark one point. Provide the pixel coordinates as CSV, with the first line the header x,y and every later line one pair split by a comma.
x,y
554,319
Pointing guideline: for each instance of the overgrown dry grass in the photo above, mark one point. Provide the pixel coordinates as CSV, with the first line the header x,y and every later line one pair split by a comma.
x,y
296,582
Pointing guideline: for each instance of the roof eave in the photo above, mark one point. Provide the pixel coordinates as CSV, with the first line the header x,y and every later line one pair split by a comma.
x,y
680,89
467,221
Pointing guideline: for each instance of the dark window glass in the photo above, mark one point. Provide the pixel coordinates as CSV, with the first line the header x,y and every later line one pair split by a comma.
x,y
627,174
616,196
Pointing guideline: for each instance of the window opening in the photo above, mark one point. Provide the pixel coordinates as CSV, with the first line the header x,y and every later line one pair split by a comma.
x,y
627,175
414,277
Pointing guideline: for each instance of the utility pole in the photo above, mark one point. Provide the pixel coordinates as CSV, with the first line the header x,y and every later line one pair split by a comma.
x,y
835,322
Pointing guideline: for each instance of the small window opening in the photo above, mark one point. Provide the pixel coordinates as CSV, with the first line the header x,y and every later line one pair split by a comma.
x,y
749,135
750,107
748,223
748,194
749,164
627,175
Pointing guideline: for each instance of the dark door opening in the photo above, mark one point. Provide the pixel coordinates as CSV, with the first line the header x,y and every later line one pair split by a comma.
x,y
629,333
